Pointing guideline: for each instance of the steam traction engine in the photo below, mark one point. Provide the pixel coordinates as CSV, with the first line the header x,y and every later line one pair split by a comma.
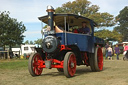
x,y
63,48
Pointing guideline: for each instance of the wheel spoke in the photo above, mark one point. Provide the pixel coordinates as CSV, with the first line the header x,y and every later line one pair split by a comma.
x,y
37,71
34,59
34,69
34,64
37,57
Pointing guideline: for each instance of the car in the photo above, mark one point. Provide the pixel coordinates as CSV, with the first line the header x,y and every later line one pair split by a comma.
x,y
64,48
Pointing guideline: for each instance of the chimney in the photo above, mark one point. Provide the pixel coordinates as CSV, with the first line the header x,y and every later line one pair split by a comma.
x,y
50,11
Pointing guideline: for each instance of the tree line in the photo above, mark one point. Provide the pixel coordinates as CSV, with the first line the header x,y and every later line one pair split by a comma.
x,y
38,42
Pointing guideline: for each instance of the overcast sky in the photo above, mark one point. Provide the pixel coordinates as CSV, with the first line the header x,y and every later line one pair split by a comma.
x,y
28,11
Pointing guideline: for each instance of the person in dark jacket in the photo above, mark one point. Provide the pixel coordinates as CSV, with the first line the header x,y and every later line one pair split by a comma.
x,y
84,29
106,47
117,52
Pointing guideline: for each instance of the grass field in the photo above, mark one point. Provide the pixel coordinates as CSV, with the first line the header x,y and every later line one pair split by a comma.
x,y
15,72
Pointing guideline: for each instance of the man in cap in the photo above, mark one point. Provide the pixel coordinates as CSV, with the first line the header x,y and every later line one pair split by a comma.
x,y
84,29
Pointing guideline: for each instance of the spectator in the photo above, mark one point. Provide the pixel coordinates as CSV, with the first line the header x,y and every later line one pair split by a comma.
x,y
106,47
125,47
117,52
109,52
125,53
25,55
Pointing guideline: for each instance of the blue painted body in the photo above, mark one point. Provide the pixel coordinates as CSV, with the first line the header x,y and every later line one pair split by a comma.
x,y
82,41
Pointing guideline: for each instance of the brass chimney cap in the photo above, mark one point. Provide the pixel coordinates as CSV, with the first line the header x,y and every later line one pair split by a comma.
x,y
50,9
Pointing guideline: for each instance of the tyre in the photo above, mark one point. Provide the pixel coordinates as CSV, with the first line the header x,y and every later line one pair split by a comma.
x,y
96,60
60,69
33,64
104,51
69,64
125,59
91,59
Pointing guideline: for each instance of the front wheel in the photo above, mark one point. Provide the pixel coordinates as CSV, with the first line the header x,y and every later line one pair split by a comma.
x,y
33,64
96,60
69,64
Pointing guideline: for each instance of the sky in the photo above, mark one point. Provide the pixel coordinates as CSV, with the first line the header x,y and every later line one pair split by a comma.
x,y
28,12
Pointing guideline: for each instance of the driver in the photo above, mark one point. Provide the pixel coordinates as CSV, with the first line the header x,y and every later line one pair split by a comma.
x,y
84,29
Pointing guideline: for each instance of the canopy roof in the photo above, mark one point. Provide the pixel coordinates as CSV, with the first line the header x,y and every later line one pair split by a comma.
x,y
72,19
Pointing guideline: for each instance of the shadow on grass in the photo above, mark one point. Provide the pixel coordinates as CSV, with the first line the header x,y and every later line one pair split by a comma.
x,y
79,71
82,70
53,74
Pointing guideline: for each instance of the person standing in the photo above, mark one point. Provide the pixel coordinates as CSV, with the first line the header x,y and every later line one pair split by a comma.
x,y
106,47
117,52
125,53
109,52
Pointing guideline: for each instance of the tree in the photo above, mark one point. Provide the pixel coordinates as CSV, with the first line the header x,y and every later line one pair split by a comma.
x,y
26,42
31,42
11,31
109,35
84,8
122,27
38,42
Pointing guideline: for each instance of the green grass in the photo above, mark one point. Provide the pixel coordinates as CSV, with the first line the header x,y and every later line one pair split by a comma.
x,y
19,64
13,64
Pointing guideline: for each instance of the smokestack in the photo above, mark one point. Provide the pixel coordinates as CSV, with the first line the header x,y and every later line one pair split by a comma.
x,y
50,11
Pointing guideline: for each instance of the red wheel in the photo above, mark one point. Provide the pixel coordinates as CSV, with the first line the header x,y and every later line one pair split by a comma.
x,y
33,64
100,59
69,64
96,60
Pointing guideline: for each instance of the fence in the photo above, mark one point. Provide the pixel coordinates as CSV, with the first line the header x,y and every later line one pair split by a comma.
x,y
4,55
9,55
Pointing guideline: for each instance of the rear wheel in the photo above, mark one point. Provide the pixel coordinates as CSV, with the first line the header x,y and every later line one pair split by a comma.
x,y
96,60
69,64
33,64
91,59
